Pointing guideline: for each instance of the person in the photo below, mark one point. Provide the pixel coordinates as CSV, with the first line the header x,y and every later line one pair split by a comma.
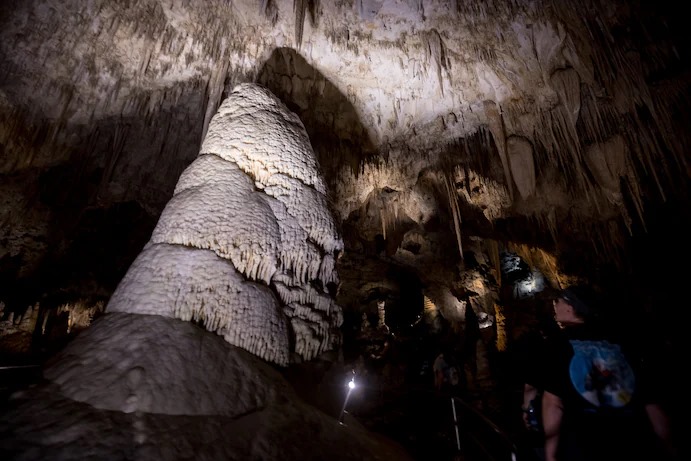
x,y
597,402
439,368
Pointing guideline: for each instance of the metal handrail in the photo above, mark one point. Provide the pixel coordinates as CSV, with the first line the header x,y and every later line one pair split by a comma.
x,y
15,367
488,422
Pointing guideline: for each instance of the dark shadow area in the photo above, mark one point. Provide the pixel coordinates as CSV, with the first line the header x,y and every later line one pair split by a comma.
x,y
92,212
83,217
336,133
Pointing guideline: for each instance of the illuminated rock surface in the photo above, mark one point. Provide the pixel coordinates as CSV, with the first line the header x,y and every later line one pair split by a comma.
x,y
452,136
250,209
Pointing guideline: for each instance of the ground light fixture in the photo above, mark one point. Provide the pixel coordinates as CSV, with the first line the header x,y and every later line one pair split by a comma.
x,y
351,386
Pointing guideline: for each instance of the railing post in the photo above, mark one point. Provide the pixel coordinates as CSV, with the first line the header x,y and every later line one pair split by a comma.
x,y
487,423
455,423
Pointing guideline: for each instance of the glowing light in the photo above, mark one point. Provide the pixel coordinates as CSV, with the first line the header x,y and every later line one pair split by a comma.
x,y
351,386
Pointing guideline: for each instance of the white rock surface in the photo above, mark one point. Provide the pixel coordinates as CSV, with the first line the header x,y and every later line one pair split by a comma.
x,y
250,208
148,387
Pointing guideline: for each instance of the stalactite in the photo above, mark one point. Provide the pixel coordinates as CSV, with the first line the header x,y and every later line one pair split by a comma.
x,y
520,153
567,84
116,147
607,162
562,143
493,252
547,263
418,5
601,84
671,98
214,90
314,8
435,51
622,71
428,305
496,128
455,210
636,195
599,119
269,10
649,152
299,8
501,341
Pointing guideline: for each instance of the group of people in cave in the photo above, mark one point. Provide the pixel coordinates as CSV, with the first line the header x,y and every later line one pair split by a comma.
x,y
590,389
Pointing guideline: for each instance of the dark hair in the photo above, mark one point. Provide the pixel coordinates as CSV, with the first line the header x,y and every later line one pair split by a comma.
x,y
583,300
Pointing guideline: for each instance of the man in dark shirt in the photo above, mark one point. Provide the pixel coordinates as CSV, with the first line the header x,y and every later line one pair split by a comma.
x,y
596,404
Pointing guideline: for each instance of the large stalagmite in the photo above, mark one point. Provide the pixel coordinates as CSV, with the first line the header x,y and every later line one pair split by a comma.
x,y
249,214
241,250
447,132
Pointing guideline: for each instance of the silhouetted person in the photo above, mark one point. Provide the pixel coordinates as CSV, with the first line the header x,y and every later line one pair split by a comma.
x,y
597,404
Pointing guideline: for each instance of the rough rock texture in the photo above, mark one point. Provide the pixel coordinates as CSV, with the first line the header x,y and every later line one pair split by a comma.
x,y
517,105
150,387
448,132
246,238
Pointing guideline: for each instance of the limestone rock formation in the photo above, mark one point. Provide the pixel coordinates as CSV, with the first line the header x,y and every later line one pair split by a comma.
x,y
154,386
449,134
515,94
246,238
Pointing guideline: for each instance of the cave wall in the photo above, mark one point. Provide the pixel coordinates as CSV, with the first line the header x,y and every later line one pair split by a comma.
x,y
555,125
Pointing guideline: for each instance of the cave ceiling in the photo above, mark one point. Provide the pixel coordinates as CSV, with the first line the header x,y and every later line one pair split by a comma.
x,y
556,125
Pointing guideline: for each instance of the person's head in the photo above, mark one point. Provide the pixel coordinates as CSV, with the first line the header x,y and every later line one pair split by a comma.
x,y
574,305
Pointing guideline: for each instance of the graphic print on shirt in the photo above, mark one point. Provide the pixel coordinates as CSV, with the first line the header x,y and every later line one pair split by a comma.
x,y
601,374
